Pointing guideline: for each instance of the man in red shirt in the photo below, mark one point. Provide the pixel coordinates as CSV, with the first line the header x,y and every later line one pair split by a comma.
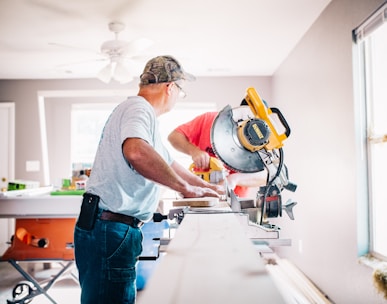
x,y
194,138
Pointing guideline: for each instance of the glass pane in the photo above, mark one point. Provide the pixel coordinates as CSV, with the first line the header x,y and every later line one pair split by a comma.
x,y
378,78
377,105
87,122
379,197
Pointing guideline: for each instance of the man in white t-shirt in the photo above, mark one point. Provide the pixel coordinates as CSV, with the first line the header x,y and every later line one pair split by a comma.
x,y
123,189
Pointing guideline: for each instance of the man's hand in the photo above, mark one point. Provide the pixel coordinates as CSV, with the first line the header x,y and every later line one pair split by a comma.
x,y
198,183
201,159
194,191
220,189
181,143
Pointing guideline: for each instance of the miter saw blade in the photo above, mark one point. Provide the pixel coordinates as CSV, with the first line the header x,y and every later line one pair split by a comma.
x,y
225,142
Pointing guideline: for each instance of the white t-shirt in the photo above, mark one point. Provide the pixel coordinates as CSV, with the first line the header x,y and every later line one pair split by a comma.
x,y
120,188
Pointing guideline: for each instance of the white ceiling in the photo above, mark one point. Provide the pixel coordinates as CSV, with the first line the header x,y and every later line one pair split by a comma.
x,y
209,37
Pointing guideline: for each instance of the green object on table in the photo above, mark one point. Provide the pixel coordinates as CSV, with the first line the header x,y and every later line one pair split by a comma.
x,y
68,192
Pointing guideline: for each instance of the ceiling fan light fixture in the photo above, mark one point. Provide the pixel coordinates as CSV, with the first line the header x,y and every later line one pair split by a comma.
x,y
121,74
116,71
105,75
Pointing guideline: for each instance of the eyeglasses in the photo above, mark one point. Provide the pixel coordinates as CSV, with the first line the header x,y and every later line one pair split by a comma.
x,y
182,93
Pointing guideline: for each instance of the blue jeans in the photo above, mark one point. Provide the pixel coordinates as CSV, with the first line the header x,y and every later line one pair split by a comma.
x,y
106,258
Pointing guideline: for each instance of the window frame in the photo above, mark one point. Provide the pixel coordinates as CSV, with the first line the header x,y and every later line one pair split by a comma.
x,y
364,102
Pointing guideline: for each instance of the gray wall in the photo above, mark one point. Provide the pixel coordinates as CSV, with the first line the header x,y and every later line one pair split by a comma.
x,y
314,87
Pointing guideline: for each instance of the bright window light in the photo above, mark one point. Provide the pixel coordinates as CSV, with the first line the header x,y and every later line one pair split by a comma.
x,y
87,122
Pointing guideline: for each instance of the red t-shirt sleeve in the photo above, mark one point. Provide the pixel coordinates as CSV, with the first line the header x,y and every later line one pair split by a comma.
x,y
198,131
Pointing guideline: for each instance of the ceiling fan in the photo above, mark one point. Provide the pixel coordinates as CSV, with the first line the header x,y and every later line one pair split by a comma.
x,y
116,51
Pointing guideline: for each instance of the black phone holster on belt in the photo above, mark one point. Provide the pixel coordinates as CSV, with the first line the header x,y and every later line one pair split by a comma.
x,y
89,211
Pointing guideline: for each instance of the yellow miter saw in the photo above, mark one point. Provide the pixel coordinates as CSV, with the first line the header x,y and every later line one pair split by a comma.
x,y
247,139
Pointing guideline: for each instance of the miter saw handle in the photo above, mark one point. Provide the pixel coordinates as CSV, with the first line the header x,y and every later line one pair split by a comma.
x,y
261,111
282,120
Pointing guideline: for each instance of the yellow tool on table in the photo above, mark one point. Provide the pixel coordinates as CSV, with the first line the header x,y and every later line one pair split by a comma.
x,y
215,173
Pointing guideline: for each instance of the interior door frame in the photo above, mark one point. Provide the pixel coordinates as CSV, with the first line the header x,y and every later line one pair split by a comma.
x,y
9,144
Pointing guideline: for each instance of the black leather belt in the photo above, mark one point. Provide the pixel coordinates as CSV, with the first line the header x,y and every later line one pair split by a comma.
x,y
122,218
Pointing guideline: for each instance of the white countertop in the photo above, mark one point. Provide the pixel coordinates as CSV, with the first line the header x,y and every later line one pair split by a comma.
x,y
40,206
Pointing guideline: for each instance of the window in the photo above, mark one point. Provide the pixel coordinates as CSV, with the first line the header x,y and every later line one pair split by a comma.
x,y
87,121
371,49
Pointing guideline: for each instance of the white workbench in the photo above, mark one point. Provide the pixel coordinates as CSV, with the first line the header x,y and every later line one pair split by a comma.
x,y
210,260
40,206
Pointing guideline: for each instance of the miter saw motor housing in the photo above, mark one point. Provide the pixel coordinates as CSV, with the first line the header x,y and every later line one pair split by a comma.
x,y
254,134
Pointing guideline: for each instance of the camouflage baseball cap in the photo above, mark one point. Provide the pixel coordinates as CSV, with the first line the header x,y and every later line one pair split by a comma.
x,y
163,69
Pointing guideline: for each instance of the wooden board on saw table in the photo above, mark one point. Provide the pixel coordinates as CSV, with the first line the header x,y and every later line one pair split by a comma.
x,y
197,202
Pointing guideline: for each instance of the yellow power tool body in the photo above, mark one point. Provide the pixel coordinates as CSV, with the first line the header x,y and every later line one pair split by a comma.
x,y
214,175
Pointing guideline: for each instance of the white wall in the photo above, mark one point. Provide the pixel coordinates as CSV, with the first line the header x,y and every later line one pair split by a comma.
x,y
314,87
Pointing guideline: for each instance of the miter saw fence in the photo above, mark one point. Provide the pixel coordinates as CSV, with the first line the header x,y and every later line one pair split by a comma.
x,y
247,140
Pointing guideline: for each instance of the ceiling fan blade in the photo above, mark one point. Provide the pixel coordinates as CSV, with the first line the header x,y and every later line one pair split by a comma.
x,y
73,47
136,46
80,62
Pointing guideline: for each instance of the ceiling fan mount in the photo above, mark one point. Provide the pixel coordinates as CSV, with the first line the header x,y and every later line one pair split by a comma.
x,y
116,27
116,47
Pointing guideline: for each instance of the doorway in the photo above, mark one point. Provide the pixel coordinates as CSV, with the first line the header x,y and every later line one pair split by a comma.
x,y
7,164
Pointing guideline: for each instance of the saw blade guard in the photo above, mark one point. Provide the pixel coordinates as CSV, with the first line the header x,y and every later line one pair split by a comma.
x,y
226,144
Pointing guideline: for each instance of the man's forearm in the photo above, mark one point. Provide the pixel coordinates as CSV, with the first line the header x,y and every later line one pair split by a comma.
x,y
181,143
146,161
